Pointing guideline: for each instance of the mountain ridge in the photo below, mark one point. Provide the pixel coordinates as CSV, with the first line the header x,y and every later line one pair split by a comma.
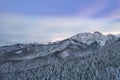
x,y
83,50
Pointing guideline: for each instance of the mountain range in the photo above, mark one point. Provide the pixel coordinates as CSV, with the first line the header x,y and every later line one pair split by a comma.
x,y
85,56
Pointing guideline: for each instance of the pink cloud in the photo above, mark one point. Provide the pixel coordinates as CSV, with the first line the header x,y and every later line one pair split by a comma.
x,y
115,14
92,9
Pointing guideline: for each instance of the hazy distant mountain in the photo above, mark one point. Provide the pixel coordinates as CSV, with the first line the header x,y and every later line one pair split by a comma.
x,y
85,56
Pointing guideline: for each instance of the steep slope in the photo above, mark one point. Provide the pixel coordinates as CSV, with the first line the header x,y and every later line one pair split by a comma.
x,y
88,38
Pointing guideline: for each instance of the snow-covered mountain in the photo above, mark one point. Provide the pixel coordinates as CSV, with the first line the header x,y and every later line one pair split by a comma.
x,y
88,38
82,41
26,57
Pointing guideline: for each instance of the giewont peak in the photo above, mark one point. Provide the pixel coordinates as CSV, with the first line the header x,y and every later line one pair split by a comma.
x,y
89,38
96,33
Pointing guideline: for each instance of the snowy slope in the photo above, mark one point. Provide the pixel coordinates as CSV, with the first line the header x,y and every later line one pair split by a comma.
x,y
26,57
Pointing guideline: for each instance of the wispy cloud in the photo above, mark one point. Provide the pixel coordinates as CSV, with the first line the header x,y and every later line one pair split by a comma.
x,y
91,9
18,28
115,14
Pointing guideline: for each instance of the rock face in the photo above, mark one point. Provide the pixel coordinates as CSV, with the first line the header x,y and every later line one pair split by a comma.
x,y
88,38
85,56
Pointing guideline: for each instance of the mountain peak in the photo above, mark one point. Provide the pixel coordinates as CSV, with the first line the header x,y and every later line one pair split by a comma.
x,y
96,33
89,38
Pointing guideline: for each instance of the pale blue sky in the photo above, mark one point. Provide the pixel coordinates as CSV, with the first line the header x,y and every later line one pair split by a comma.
x,y
50,20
